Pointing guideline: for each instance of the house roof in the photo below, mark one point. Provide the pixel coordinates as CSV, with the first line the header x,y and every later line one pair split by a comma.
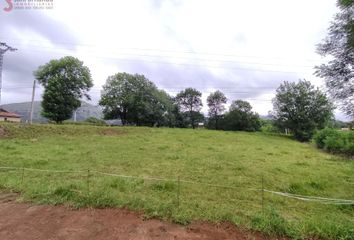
x,y
4,113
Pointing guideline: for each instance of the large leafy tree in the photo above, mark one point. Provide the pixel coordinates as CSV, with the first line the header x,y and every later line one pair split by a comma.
x,y
216,103
189,101
177,118
65,82
301,108
161,109
339,44
241,105
135,100
241,118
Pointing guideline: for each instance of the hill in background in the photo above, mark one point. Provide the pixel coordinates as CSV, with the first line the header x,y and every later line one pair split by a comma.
x,y
85,111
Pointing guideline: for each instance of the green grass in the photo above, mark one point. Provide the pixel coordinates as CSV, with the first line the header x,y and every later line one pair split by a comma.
x,y
235,159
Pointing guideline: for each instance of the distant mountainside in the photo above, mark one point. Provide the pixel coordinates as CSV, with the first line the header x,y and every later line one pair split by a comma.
x,y
85,111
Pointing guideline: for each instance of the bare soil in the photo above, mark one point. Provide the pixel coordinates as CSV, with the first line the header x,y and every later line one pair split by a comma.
x,y
23,221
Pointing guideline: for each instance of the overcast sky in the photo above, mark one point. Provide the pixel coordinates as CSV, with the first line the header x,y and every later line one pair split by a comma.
x,y
243,48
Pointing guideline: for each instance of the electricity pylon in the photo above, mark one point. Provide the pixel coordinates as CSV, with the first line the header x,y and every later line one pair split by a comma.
x,y
3,49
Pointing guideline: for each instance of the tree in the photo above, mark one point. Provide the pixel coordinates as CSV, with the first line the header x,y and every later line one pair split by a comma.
x,y
162,109
65,82
216,102
135,100
301,108
241,118
339,44
190,101
177,118
197,116
240,105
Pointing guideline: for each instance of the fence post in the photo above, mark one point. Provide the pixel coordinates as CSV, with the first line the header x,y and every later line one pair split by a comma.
x,y
22,176
262,194
88,182
178,190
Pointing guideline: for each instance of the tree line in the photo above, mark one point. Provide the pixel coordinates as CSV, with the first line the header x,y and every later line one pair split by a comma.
x,y
298,107
136,100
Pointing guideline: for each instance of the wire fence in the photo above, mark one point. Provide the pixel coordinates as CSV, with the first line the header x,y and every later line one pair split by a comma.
x,y
90,174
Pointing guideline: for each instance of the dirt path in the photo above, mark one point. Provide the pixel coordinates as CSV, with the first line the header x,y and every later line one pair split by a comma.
x,y
25,221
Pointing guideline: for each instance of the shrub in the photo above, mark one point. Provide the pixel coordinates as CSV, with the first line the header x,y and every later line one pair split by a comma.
x,y
267,126
321,136
343,143
237,120
95,121
91,121
335,141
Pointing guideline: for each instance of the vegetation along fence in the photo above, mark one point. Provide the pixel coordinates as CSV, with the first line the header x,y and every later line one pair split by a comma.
x,y
88,175
177,198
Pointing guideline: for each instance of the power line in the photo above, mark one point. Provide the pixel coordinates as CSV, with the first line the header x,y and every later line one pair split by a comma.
x,y
169,89
198,65
185,64
154,50
100,89
128,60
166,89
193,59
176,88
205,92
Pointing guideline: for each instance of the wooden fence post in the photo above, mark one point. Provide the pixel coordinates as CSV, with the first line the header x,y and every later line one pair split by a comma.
x,y
88,182
22,176
262,194
178,190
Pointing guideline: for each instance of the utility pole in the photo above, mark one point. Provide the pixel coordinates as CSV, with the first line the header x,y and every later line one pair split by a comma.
x,y
32,103
3,49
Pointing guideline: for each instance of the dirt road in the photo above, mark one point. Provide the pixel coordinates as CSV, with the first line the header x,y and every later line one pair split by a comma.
x,y
20,221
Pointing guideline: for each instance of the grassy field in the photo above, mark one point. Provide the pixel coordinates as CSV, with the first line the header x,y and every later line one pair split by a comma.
x,y
238,160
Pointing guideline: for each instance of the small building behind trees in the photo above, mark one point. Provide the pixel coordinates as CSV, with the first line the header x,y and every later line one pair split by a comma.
x,y
6,116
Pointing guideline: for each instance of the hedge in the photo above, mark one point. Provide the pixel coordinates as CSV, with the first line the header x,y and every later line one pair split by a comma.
x,y
335,141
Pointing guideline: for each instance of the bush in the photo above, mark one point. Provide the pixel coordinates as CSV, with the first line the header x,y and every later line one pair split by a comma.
x,y
95,121
335,141
267,126
91,121
321,136
237,120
